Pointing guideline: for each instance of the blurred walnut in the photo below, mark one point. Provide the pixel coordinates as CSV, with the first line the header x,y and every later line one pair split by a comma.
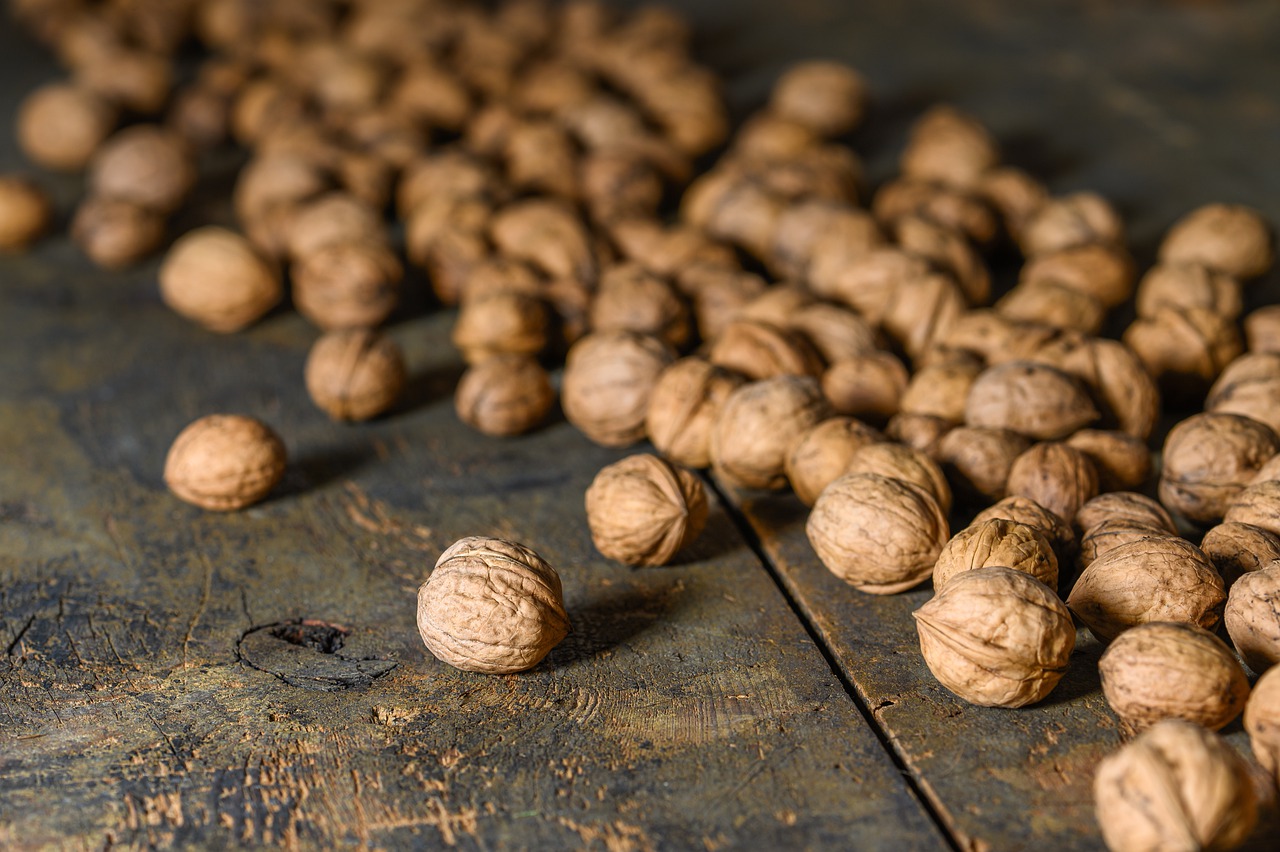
x,y
767,134
1102,271
1027,511
921,311
549,235
115,233
1230,238
1117,381
347,284
869,386
216,278
540,158
1249,386
1014,194
918,431
1185,349
813,235
1126,506
1186,285
266,181
760,350
758,425
1236,549
683,408
732,207
1055,475
137,80
1053,304
1032,399
1258,504
983,332
959,212
823,454
145,164
867,281
355,374
629,298
449,174
505,394
949,252
977,460
878,534
1208,461
950,147
1262,329
430,94
1252,617
668,251
941,391
1121,461
619,184
332,219
61,125
1104,537
1069,221
25,212
608,379
643,511
998,542
1262,721
904,463
835,331
224,462
829,97
719,293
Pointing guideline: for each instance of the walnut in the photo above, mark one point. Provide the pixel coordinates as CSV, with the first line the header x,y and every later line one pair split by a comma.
x,y
683,407
812,234
503,395
144,164
998,542
1118,382
61,125
114,233
1184,348
869,387
950,147
956,211
918,431
1208,461
904,463
216,278
540,158
1164,670
1177,786
867,281
1187,285
769,135
949,252
619,184
1262,329
491,606
996,637
1014,194
332,219
449,174
25,212
1230,238
668,251
224,462
547,234
137,80
757,426
1069,221
355,374
1102,271
823,453
1053,304
1031,399
776,305
760,350
347,285
608,378
1236,549
1270,470
266,181
1252,616
1027,511
983,332
921,311
1250,386
1154,579
1258,504
1104,537
735,208
1055,475
1121,461
1125,506
977,460
941,391
828,97
1262,721
643,511
719,293
430,94
836,332
878,534
501,322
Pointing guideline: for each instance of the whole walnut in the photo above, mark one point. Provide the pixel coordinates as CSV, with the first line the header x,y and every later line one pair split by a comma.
x,y
1124,506
1262,329
1164,670
61,125
1208,461
1102,538
355,374
547,234
941,390
25,212
949,252
950,147
757,426
813,234
643,510
1188,285
977,460
823,453
668,251
760,350
506,394
1230,238
1014,194
1250,386
216,278
608,379
224,462
1055,475
998,542
1153,579
1105,272
1050,303
1184,348
718,293
879,535
1262,721
1236,549
491,606
332,219
1252,617
835,331
905,463
347,284
501,322
683,408
1116,379
921,311
1258,504
996,637
1032,399
114,233
767,134
146,164
1177,786
828,97
869,387
266,181
867,281
1071,220
137,80
1121,461
961,213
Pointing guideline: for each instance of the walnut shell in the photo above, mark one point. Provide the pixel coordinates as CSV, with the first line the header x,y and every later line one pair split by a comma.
x,y
1102,538
25,212
1236,549
1121,461
816,230
719,293
1014,194
760,350
491,606
347,285
1208,461
823,452
996,637
1164,670
949,252
869,387
769,135
1050,303
921,311
1117,381
547,234
500,323
998,542
1177,786
1258,504
608,378
1032,399
757,426
905,463
224,462
629,298
867,281
1105,272
683,407
144,164
1262,329
1186,285
1124,506
962,213
1184,348
878,534
643,510
216,278
828,97
1250,385
61,125
668,251
977,460
920,432
1154,579
1071,220
1024,510
504,395
1231,238
950,147
1262,721
355,374
1055,475
836,332
1252,616
114,233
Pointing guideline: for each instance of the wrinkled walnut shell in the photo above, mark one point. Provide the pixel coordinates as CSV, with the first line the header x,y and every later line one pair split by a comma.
x,y
760,350
643,510
355,374
1124,506
504,395
1208,461
1122,461
1027,511
216,278
757,426
977,460
1031,399
823,453
1236,549
869,387
608,378
1262,721
1252,616
998,542
904,463
1102,538
224,462
1231,238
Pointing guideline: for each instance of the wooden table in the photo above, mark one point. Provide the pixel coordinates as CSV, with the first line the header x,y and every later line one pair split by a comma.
x,y
153,691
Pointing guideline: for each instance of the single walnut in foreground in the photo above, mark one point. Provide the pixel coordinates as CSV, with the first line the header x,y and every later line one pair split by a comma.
x,y
491,606
224,462
643,510
1208,461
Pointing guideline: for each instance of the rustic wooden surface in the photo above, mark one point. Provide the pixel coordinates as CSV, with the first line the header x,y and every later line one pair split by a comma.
x,y
147,697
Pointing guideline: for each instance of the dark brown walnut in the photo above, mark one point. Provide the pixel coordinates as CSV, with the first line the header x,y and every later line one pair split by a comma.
x,y
1262,722
201,116
757,427
1177,786
1262,329
347,285
683,408
145,164
1118,382
828,97
1050,303
867,281
1014,194
949,252
903,463
1154,579
224,462
115,234
1126,506
547,234
216,278
501,322
355,374
810,234
977,460
1208,461
332,219
835,331
1055,475
25,212
998,542
823,454
921,311
491,606
1230,238
1236,549
504,395
1187,285
718,293
1105,272
1185,349
941,390
879,535
1031,399
1104,537
760,350
950,147
61,125
1027,511
960,212
1069,221
668,251
1122,461
608,379
1249,386
918,431
1252,617
643,510
629,298
1168,670
1258,504
869,387
996,637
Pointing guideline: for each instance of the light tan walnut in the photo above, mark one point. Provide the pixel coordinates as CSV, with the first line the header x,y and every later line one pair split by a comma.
x,y
1262,721
225,462
1121,460
1252,617
504,395
1188,285
758,425
998,542
1124,506
898,461
1024,510
1055,475
977,460
1032,399
761,350
1102,538
950,147
1231,238
216,278
354,374
643,510
823,453
1105,272
1236,549
869,387
683,408
1208,461
1069,221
